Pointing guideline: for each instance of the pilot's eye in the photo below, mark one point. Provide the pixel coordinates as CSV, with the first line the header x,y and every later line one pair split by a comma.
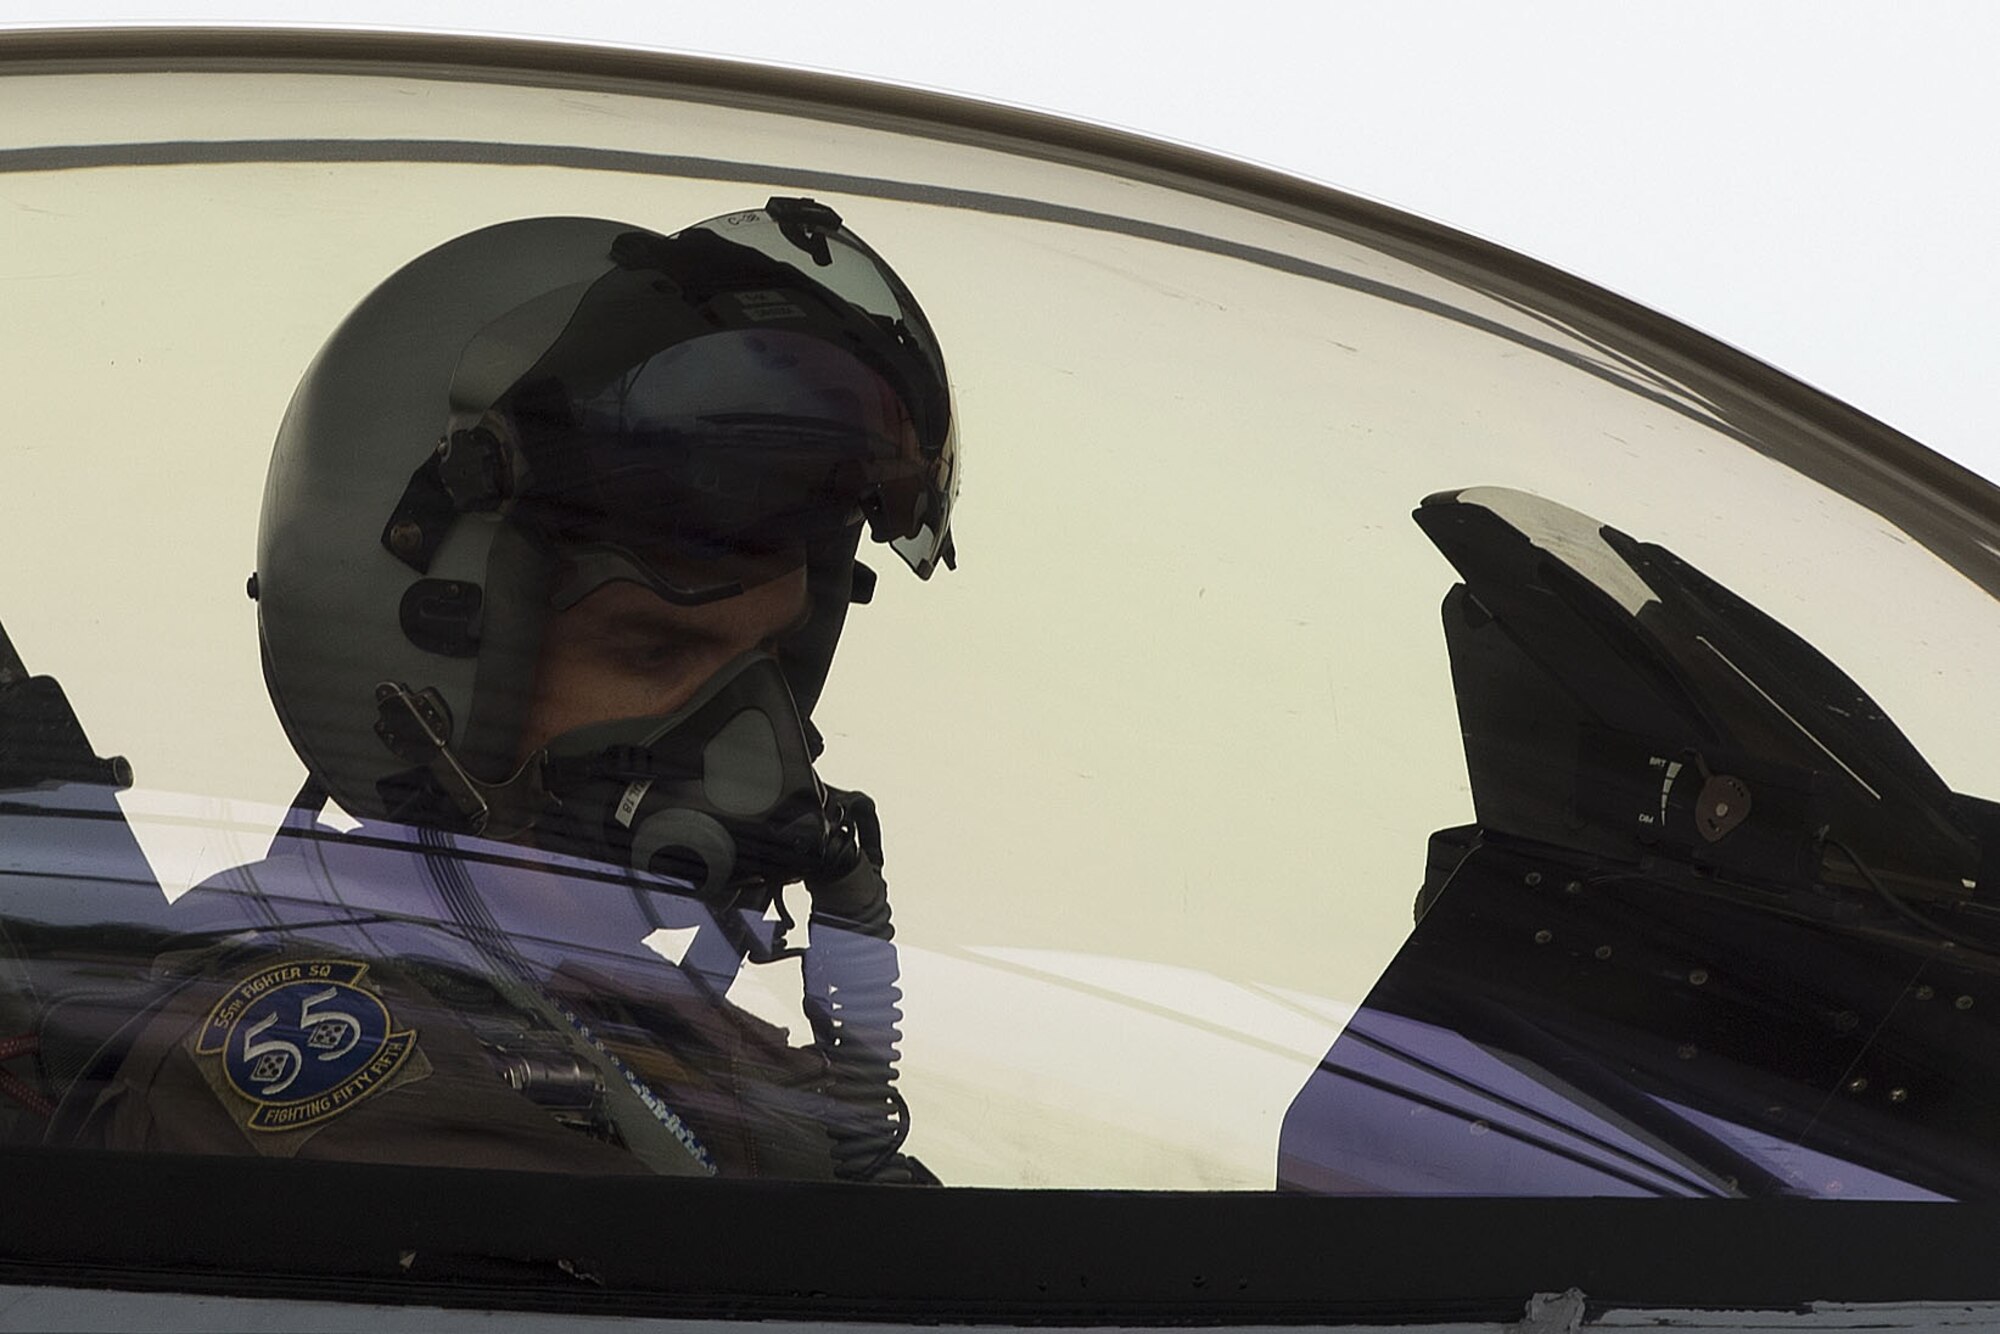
x,y
661,653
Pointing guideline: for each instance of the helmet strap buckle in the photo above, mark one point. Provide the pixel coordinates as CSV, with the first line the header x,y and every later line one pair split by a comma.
x,y
416,727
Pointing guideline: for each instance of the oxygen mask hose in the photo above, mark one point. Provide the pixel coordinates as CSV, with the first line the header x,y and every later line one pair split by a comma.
x,y
852,998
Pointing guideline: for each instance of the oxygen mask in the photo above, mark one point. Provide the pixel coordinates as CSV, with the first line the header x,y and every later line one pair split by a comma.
x,y
720,794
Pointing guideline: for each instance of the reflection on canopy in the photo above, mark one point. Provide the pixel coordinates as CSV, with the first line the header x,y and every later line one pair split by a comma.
x,y
1717,930
1160,763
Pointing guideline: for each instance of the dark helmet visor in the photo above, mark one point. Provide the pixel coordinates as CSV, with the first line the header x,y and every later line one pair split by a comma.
x,y
719,398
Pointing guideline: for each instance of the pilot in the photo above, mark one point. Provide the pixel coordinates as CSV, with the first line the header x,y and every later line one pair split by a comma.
x,y
559,536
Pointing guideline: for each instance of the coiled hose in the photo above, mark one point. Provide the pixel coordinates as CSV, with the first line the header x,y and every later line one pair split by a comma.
x,y
854,1005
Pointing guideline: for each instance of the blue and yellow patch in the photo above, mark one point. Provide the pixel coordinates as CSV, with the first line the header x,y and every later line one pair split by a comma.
x,y
303,1041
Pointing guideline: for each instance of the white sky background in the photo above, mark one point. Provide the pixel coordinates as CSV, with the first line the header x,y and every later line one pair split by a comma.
x,y
1812,181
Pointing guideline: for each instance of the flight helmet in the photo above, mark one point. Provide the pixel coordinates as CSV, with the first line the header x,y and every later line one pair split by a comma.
x,y
536,409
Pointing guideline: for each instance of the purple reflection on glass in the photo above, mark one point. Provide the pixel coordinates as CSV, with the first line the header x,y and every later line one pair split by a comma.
x,y
389,891
1403,1107
68,859
1815,1173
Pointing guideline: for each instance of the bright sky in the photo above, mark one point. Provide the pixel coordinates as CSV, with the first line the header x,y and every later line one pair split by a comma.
x,y
1808,179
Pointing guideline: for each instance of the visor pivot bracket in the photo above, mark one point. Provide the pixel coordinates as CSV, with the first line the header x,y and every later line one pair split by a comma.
x,y
472,467
805,223
802,211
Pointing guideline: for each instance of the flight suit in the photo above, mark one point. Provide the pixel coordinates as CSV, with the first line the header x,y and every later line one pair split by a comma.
x,y
296,1051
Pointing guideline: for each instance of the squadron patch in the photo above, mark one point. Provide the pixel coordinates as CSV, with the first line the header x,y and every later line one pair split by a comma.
x,y
302,1042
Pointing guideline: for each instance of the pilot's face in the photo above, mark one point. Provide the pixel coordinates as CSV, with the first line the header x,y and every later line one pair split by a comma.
x,y
625,652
